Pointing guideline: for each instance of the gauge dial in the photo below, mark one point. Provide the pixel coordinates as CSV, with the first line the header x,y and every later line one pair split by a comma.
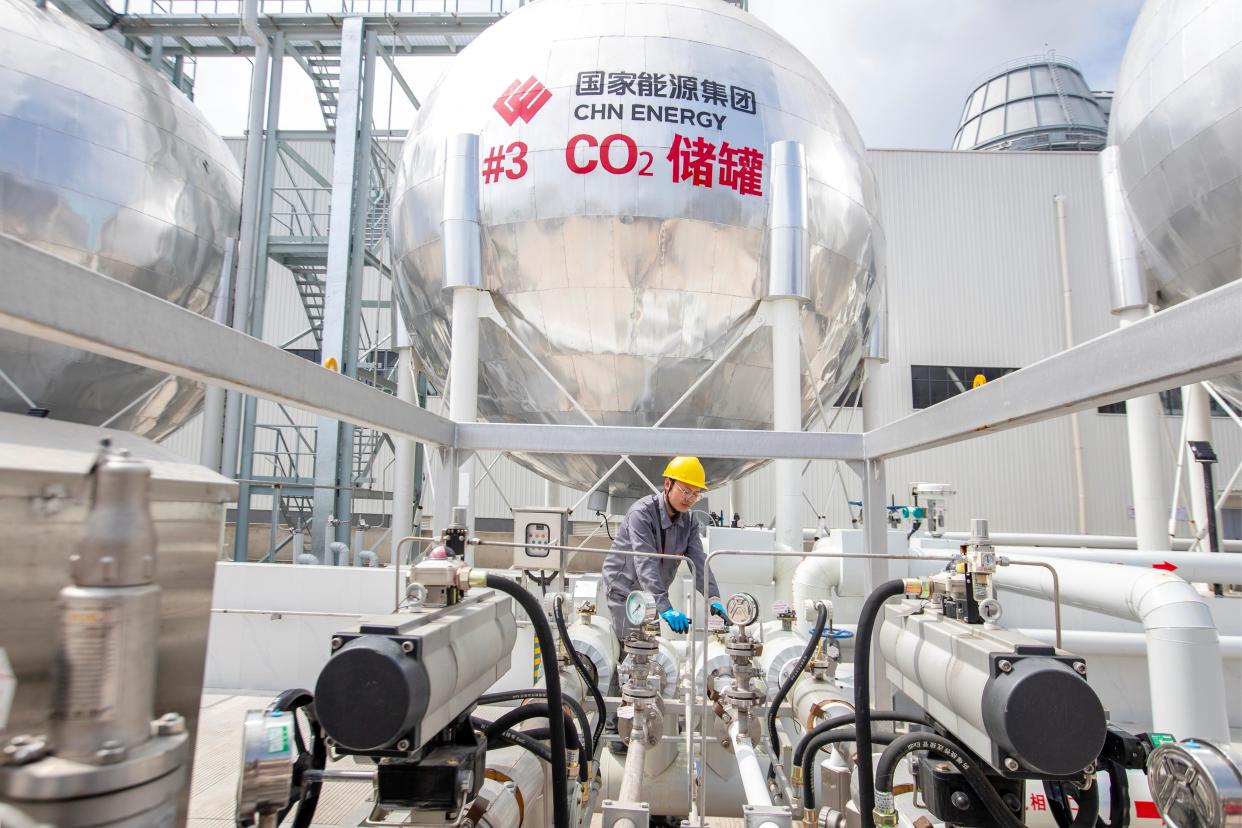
x,y
742,609
640,608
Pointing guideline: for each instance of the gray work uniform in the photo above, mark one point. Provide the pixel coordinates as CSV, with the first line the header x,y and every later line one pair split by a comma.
x,y
642,529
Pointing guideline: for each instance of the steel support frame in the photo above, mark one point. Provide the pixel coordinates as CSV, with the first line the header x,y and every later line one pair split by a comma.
x,y
122,322
258,305
334,445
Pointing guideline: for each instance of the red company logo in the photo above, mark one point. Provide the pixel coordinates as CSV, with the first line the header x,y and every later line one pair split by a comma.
x,y
522,100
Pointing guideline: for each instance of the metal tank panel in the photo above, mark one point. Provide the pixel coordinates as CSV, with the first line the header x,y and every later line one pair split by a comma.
x,y
105,163
1176,121
1177,125
626,280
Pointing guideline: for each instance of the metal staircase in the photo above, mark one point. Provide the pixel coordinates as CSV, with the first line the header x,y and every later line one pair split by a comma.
x,y
311,288
367,443
325,74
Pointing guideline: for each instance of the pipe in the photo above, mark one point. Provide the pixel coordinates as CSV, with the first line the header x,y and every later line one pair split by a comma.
x,y
1183,647
1195,567
367,558
787,231
1196,414
1080,476
463,275
337,552
213,400
1110,643
635,760
1091,541
1145,433
403,474
814,579
753,780
251,187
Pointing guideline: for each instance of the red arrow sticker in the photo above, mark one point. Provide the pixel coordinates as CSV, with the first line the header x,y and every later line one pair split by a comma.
x,y
1166,566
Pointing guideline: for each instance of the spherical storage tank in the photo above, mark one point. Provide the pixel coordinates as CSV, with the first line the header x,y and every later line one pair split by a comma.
x,y
625,182
104,163
1177,125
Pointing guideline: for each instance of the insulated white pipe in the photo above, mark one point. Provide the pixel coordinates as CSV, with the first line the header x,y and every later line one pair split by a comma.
x,y
403,476
787,416
753,780
1091,541
1067,310
213,400
1183,647
814,579
789,253
1196,408
463,274
1110,643
1144,431
1195,567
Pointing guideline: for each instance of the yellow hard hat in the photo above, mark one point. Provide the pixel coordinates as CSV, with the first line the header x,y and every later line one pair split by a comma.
x,y
688,470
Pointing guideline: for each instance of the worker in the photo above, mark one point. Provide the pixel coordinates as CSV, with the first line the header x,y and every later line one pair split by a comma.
x,y
658,523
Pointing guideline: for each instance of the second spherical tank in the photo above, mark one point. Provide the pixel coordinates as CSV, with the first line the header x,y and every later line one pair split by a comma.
x,y
625,182
1177,125
104,163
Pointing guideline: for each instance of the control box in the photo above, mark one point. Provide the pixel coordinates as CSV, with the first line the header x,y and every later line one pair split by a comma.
x,y
535,530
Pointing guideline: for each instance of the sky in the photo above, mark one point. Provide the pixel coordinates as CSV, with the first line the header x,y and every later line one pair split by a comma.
x,y
903,68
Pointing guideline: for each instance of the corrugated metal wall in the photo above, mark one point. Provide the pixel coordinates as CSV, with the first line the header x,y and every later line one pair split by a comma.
x,y
972,267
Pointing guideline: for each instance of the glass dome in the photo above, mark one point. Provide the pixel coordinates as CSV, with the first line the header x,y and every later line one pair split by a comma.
x,y
1035,103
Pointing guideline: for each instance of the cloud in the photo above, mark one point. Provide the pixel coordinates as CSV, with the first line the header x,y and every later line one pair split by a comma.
x,y
903,68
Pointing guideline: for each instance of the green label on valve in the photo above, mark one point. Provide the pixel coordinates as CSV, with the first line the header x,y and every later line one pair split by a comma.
x,y
1157,739
278,738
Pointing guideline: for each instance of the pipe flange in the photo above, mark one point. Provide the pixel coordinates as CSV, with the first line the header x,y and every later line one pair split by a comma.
x,y
641,647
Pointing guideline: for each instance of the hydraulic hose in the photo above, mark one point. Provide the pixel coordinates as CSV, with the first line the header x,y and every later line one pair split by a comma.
x,y
538,693
522,740
312,757
601,710
808,766
951,751
1088,804
539,710
1118,796
805,742
821,619
862,692
556,712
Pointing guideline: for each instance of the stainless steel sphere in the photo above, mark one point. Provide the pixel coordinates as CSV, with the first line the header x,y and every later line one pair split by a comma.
x,y
624,190
104,163
1176,120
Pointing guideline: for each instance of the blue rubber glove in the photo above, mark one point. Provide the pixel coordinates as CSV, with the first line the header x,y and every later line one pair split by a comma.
x,y
677,621
718,609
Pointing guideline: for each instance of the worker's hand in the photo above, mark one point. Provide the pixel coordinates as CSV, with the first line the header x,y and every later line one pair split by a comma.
x,y
718,609
677,621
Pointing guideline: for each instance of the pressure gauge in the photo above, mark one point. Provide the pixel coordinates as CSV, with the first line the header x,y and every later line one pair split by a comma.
x,y
640,608
742,609
1196,784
